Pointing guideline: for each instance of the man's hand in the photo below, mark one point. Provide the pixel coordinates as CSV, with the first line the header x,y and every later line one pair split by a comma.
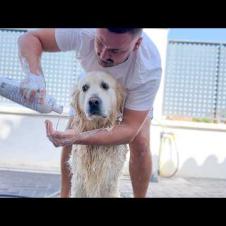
x,y
33,86
58,138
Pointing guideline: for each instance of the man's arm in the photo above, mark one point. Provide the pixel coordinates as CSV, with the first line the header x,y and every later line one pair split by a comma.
x,y
120,134
33,43
30,47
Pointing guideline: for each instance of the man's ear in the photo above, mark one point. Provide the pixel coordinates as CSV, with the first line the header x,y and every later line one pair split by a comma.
x,y
138,43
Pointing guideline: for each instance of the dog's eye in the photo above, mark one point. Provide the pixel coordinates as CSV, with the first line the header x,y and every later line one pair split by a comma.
x,y
85,88
104,85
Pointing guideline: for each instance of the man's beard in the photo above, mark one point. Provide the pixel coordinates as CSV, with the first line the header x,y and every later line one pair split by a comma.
x,y
108,63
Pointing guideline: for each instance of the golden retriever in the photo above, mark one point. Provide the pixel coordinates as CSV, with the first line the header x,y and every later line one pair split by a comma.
x,y
98,102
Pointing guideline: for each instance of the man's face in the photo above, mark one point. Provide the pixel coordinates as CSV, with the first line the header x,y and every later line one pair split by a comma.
x,y
113,48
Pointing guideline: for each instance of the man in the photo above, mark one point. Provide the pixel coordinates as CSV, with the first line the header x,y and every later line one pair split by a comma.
x,y
132,58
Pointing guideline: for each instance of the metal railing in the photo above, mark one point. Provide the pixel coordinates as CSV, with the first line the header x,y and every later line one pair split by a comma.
x,y
195,80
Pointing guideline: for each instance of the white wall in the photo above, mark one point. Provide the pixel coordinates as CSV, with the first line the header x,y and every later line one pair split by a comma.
x,y
159,37
24,145
201,148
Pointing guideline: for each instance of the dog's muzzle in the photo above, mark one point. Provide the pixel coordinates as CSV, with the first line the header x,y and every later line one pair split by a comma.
x,y
94,106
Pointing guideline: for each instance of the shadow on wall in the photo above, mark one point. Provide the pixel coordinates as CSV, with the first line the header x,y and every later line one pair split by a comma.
x,y
211,168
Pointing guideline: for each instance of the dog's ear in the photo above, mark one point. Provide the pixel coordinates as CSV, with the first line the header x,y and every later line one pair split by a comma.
x,y
120,95
75,100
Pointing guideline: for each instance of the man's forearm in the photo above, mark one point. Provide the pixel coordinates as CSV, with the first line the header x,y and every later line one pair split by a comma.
x,y
120,134
30,49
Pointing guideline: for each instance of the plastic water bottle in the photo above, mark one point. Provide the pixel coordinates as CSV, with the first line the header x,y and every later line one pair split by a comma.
x,y
10,89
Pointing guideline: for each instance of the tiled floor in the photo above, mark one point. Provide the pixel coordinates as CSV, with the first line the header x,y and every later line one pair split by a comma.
x,y
47,185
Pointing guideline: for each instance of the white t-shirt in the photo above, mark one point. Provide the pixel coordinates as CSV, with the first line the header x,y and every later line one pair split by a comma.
x,y
140,74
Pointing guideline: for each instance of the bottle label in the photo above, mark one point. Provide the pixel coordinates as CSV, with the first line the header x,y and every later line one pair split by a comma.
x,y
13,93
10,89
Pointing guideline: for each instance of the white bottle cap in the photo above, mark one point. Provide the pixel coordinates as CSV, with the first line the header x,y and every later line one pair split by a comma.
x,y
58,108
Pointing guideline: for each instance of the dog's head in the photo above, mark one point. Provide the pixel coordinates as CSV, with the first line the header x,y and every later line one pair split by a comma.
x,y
98,96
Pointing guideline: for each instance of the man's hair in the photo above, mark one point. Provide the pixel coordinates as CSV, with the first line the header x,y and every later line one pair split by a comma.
x,y
132,31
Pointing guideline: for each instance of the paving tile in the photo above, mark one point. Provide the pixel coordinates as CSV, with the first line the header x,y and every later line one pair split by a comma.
x,y
47,185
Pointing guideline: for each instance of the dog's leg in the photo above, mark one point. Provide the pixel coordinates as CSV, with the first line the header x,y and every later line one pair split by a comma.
x,y
113,172
78,189
110,190
77,180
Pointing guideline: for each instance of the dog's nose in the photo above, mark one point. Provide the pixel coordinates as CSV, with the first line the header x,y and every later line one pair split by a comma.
x,y
94,101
